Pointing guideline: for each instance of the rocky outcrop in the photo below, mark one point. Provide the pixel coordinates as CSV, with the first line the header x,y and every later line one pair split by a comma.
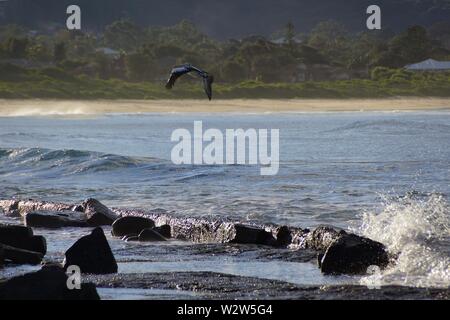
x,y
149,235
49,283
98,214
91,213
352,254
55,219
21,237
92,254
22,207
330,243
131,225
206,230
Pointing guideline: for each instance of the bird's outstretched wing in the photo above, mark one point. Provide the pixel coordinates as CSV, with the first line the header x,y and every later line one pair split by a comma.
x,y
207,85
177,72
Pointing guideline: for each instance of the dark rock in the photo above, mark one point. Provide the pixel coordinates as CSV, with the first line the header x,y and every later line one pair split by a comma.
x,y
163,230
2,256
55,219
321,238
283,236
36,244
49,283
21,256
14,233
131,238
245,234
98,214
352,254
148,235
92,254
22,237
130,225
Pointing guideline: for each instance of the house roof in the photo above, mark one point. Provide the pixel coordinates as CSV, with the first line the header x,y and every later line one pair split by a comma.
x,y
429,64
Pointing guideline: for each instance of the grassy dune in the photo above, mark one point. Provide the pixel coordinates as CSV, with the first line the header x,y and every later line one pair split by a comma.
x,y
53,83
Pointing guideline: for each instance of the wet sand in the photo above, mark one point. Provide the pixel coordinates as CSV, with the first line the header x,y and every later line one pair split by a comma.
x,y
92,107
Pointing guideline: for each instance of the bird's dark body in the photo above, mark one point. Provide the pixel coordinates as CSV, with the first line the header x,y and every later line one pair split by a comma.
x,y
178,71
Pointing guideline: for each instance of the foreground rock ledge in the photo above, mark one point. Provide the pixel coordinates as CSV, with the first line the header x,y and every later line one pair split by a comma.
x,y
49,283
338,251
211,285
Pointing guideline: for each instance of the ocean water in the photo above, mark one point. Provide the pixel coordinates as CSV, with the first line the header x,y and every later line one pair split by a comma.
x,y
383,175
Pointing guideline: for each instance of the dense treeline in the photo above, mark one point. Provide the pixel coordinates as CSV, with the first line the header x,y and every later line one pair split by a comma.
x,y
127,53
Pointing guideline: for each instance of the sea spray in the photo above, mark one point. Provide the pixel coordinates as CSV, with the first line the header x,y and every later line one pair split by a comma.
x,y
418,230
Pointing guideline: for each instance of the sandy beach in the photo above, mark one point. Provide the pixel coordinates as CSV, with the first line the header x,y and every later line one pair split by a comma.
x,y
80,107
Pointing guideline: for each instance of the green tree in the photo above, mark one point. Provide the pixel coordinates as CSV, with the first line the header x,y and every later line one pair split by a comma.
x,y
233,71
139,66
331,39
16,48
59,52
411,46
39,52
123,35
289,36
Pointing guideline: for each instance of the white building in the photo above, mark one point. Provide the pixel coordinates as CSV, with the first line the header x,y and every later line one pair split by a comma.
x,y
429,65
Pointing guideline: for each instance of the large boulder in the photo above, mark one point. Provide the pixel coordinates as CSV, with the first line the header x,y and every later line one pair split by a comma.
x,y
49,283
283,236
322,237
164,230
36,244
92,254
149,235
22,237
14,232
131,225
20,256
98,214
352,254
55,219
245,234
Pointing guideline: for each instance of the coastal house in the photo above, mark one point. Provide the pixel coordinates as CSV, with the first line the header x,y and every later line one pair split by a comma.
x,y
429,65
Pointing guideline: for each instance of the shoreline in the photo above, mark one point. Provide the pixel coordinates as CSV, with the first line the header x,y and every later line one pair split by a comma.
x,y
36,107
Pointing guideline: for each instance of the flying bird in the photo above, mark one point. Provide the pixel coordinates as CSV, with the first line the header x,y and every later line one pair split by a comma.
x,y
178,71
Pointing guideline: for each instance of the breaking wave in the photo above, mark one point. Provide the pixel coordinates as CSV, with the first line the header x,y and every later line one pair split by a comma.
x,y
418,231
64,162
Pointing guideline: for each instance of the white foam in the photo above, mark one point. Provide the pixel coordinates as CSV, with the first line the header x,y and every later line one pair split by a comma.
x,y
419,231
